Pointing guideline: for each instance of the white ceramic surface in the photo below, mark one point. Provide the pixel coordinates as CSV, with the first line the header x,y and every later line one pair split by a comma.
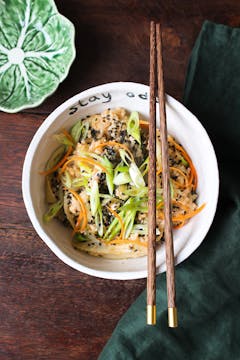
x,y
181,124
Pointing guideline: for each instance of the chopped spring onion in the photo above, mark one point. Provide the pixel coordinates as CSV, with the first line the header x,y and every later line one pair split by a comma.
x,y
113,229
134,191
76,131
55,157
78,237
134,172
121,179
144,167
133,128
66,179
94,198
79,182
79,130
63,139
85,128
184,162
99,221
136,175
108,165
109,174
129,222
52,211
125,157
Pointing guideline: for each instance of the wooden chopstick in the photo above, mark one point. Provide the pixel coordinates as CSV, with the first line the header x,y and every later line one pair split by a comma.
x,y
170,270
156,58
151,278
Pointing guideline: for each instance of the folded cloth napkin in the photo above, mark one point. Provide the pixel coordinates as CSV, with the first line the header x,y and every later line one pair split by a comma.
x,y
208,283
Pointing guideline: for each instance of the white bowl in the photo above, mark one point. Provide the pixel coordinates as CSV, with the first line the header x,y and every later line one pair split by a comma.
x,y
181,124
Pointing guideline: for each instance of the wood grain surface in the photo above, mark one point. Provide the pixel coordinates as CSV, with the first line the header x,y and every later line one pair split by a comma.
x,y
48,310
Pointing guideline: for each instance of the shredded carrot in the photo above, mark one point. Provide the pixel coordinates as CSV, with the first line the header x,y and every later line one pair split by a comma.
x,y
114,143
180,218
188,215
59,164
143,123
120,221
126,241
84,161
176,203
173,168
80,221
83,215
193,174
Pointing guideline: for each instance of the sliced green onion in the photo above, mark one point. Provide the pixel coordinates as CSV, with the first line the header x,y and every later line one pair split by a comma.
x,y
105,196
184,162
128,223
79,182
99,221
136,175
108,165
113,229
63,139
85,128
52,211
134,191
66,179
121,175
79,130
109,174
55,157
94,198
76,131
144,167
121,179
121,168
80,238
125,157
133,126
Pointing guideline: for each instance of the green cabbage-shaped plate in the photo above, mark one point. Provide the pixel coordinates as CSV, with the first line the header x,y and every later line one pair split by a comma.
x,y
36,52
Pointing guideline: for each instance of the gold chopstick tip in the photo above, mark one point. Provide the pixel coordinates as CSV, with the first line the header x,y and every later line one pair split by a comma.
x,y
172,317
151,314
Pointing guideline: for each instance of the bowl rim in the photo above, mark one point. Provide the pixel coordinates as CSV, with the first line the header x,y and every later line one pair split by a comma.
x,y
26,176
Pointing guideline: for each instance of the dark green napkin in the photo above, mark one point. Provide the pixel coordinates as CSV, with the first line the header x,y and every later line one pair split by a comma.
x,y
208,283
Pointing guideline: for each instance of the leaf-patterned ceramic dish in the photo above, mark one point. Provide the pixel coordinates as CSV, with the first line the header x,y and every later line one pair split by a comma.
x,y
36,52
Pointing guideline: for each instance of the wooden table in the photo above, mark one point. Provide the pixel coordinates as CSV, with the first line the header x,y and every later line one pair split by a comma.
x,y
47,309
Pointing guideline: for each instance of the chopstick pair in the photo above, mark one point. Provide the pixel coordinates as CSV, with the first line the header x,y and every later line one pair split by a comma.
x,y
156,81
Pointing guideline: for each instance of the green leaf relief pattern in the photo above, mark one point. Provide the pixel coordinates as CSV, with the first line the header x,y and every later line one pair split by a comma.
x,y
36,52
